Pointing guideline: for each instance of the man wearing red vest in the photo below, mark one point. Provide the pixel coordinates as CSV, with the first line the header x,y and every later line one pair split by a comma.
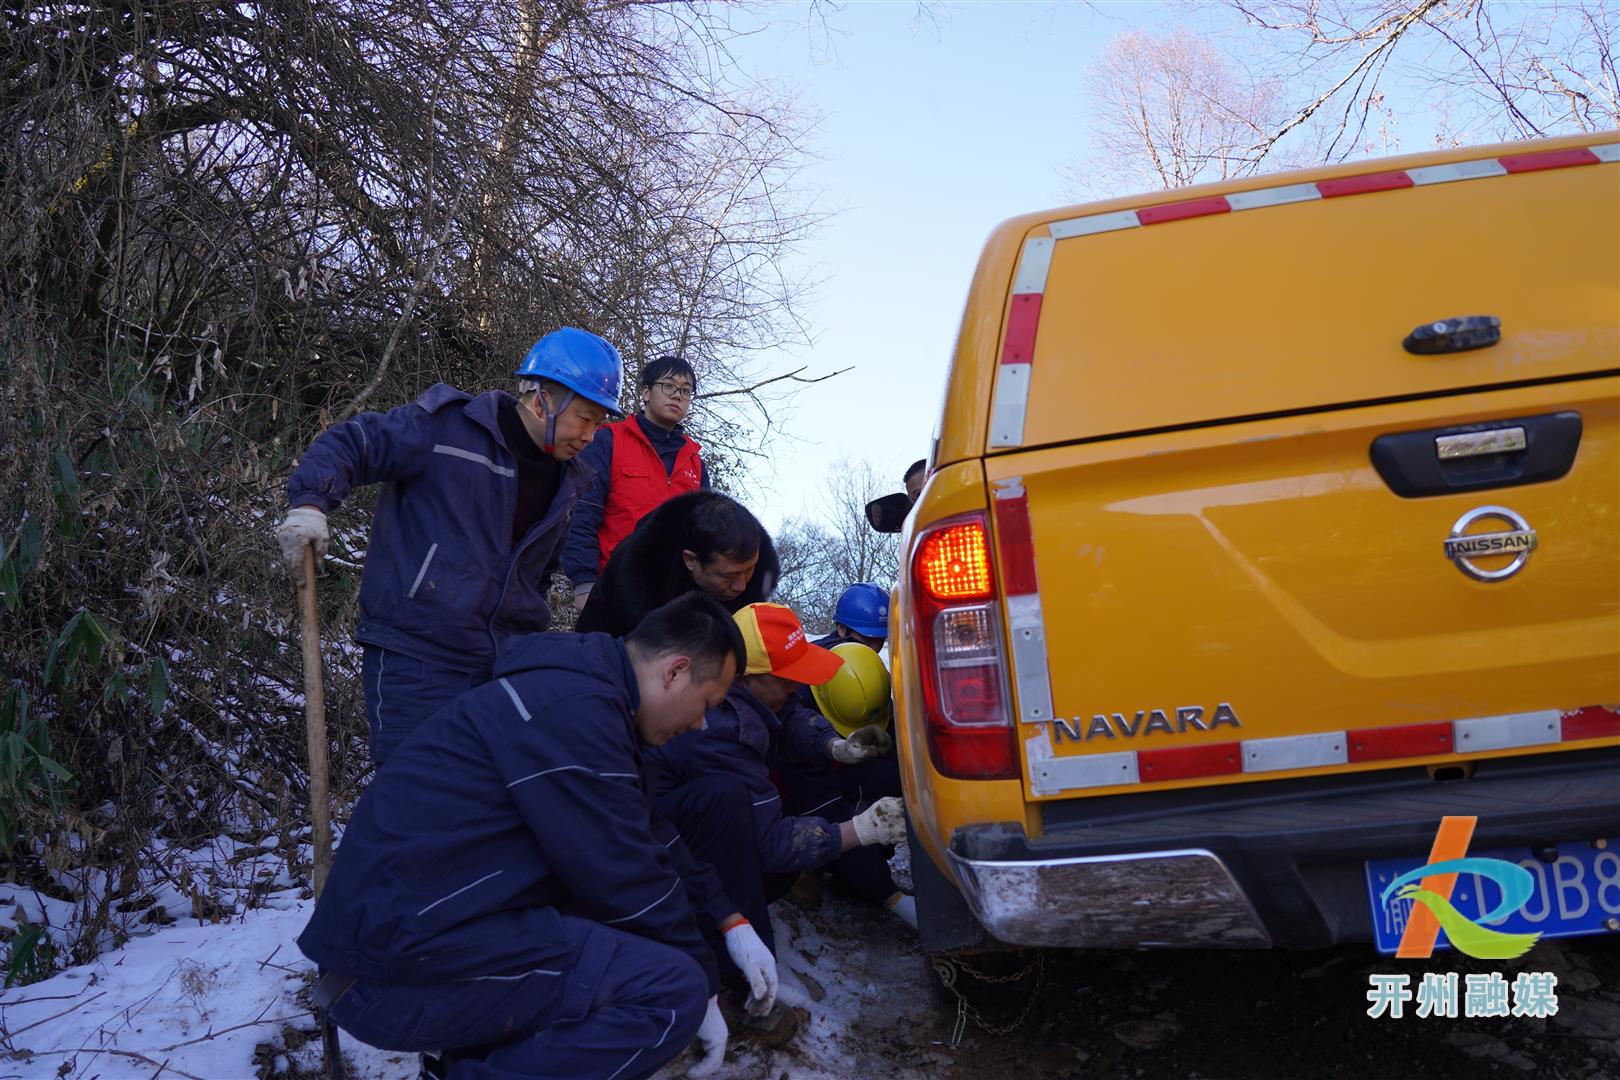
x,y
638,463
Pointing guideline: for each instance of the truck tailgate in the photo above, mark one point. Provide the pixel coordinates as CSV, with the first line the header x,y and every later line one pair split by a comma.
x,y
1257,599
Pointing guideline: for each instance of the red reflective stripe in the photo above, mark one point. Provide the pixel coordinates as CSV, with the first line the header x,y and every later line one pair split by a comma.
x,y
1192,208
1549,159
1016,544
1360,185
1592,722
1408,740
1187,762
1022,322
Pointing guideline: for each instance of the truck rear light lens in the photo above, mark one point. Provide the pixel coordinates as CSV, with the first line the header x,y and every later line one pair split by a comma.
x,y
959,648
954,563
971,696
965,634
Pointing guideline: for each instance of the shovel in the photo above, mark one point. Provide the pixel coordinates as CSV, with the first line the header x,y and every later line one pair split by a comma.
x,y
320,810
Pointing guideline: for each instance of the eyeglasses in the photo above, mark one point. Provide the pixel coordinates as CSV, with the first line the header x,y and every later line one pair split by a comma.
x,y
675,390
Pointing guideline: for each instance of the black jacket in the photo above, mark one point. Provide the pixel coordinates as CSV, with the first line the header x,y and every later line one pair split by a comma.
x,y
646,570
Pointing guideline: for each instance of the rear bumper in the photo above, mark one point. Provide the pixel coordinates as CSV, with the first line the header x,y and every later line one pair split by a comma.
x,y
1261,864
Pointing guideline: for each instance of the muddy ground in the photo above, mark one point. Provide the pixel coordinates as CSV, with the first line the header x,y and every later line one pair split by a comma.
x,y
1219,1016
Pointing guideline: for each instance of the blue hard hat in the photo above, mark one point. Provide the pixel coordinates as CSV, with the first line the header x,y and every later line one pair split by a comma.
x,y
864,608
579,360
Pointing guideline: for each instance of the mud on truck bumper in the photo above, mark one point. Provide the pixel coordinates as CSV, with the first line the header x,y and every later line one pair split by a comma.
x,y
1278,863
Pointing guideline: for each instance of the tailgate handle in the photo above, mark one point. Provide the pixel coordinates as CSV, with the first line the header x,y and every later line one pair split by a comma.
x,y
1475,457
1454,335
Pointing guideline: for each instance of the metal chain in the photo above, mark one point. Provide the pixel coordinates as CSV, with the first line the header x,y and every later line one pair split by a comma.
x,y
947,968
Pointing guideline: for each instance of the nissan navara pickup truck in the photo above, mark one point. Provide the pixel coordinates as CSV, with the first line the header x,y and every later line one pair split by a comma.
x,y
1267,524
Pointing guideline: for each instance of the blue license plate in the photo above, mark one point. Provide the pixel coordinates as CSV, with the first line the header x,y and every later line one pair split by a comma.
x,y
1575,894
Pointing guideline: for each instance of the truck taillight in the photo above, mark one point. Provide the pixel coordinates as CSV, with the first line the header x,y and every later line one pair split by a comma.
x,y
959,652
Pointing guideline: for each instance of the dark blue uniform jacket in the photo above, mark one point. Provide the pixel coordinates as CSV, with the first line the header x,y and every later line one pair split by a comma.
x,y
442,581
521,802
742,738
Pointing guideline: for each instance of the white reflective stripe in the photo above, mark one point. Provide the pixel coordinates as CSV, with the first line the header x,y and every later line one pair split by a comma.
x,y
1011,399
558,769
417,584
667,1028
1027,630
1083,771
468,455
1295,752
646,909
767,802
459,891
511,978
1096,223
1459,170
1607,151
812,811
1033,265
517,702
1507,732
1273,196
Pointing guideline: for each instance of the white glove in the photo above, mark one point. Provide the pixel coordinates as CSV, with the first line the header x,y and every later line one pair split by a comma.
x,y
756,963
884,822
303,525
863,744
711,1036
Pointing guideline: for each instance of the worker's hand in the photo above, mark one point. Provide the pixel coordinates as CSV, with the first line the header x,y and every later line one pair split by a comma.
x,y
303,525
884,822
711,1037
863,744
581,595
756,963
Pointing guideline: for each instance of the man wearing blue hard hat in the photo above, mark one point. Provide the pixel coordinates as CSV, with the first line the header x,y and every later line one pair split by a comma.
x,y
476,502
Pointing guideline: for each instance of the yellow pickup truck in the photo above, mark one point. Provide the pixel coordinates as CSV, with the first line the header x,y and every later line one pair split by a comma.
x,y
1266,524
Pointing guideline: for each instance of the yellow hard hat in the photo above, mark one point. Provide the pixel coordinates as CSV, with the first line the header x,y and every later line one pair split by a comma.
x,y
858,694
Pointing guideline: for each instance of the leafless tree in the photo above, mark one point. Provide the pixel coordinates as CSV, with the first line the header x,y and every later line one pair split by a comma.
x,y
1496,69
823,554
1168,110
223,226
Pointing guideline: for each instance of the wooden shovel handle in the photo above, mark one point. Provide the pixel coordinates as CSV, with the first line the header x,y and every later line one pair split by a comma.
x,y
320,811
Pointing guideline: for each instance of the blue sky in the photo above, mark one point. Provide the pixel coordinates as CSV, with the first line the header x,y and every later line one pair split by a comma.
x,y
932,134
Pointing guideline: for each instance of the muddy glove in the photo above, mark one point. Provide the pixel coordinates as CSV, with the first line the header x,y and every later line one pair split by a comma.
x,y
302,525
864,744
884,822
756,963
711,1037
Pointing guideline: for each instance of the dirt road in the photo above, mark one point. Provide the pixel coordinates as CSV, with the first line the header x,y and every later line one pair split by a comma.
x,y
1220,1016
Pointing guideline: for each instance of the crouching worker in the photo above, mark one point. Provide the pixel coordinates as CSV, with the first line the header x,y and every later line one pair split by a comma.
x,y
502,893
861,767
702,541
759,727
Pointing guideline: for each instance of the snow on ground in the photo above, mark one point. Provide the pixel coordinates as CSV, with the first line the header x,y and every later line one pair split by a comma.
x,y
226,1000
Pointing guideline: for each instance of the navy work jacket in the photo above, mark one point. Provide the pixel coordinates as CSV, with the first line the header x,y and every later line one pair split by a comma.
x,y
742,738
519,803
442,581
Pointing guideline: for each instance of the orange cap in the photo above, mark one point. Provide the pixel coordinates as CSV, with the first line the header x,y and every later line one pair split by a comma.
x,y
777,646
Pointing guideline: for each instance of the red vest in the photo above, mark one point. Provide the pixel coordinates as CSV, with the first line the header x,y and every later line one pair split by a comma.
x,y
637,483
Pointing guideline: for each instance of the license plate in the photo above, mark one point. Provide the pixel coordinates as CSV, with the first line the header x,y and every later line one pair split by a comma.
x,y
1576,894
